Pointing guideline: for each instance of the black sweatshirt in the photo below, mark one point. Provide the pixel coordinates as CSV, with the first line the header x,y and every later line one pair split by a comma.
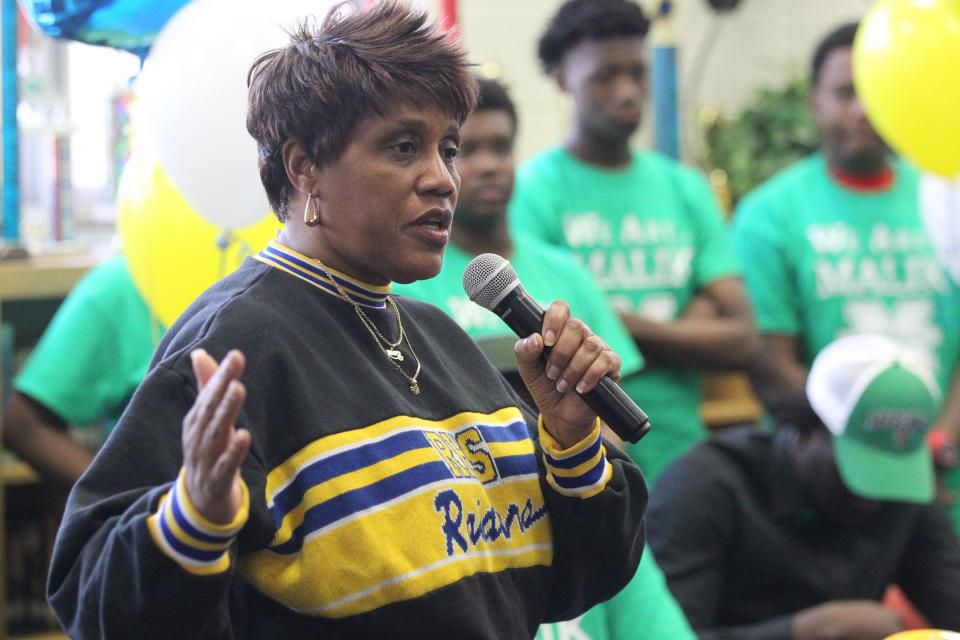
x,y
371,512
744,549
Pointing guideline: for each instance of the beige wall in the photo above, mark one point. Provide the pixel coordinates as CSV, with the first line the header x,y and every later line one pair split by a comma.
x,y
763,42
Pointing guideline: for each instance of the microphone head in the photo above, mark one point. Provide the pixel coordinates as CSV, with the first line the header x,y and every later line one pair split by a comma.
x,y
488,278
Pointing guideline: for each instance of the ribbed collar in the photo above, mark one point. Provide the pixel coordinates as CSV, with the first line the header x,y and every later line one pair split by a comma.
x,y
874,183
296,264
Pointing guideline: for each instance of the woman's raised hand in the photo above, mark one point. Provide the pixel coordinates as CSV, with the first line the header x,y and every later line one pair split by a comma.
x,y
213,448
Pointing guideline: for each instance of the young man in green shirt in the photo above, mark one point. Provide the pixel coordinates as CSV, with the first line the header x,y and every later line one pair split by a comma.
x,y
836,245
85,368
647,228
644,608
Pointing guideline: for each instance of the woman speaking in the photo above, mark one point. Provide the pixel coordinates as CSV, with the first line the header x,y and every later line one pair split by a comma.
x,y
309,457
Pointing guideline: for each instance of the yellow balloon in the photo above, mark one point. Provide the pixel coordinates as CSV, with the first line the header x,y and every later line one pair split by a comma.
x,y
173,253
924,634
906,68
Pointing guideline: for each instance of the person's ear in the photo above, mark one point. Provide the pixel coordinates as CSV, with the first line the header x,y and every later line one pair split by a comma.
x,y
300,168
560,77
813,98
302,174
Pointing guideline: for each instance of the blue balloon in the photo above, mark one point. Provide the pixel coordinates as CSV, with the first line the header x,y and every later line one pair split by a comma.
x,y
130,25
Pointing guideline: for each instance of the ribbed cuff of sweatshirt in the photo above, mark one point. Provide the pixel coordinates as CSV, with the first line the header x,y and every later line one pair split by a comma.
x,y
580,471
192,541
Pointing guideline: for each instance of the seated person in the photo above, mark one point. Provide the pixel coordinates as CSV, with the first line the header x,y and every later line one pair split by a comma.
x,y
645,608
797,532
83,371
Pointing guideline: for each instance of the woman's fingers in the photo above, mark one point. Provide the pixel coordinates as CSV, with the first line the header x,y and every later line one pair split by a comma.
x,y
215,386
218,431
604,362
213,448
223,473
579,359
569,342
204,366
212,387
554,318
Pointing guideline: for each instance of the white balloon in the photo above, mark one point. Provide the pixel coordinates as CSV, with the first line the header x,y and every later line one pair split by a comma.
x,y
193,89
940,207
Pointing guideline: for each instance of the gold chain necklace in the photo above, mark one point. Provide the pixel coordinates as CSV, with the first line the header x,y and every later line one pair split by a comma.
x,y
389,348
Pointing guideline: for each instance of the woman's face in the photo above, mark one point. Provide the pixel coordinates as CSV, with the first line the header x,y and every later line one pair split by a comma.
x,y
386,204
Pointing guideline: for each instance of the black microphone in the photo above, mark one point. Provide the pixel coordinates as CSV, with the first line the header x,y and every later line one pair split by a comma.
x,y
491,282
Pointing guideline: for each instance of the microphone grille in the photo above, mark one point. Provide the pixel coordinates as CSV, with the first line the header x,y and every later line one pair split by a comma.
x,y
486,279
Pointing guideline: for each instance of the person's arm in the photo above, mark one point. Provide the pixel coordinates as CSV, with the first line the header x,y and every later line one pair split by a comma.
x,y
148,545
762,241
929,573
717,332
39,437
845,620
716,329
947,447
838,620
779,379
645,608
595,495
598,540
691,524
83,371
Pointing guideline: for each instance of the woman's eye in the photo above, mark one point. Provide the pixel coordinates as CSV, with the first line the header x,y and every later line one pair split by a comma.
x,y
451,153
405,147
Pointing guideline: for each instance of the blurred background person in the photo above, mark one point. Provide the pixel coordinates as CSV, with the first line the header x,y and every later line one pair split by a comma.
x,y
82,373
648,229
644,608
836,245
796,532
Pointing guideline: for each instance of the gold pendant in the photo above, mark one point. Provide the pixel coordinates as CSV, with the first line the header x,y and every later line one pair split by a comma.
x,y
393,353
415,389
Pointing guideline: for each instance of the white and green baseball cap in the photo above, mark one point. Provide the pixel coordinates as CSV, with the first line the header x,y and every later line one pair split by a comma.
x,y
878,400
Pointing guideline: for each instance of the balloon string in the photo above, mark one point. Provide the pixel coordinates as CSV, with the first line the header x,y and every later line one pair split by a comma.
x,y
223,244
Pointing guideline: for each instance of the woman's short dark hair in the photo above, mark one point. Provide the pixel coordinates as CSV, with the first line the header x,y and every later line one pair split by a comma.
x,y
356,64
579,20
493,96
840,38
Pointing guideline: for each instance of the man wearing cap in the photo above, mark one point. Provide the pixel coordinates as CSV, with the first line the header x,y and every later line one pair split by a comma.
x,y
796,533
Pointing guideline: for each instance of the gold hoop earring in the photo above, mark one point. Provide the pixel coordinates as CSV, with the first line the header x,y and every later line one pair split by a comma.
x,y
311,218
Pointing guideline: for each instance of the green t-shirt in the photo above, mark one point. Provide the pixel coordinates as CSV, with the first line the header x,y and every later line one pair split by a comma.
x,y
95,351
548,274
822,261
643,609
652,236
